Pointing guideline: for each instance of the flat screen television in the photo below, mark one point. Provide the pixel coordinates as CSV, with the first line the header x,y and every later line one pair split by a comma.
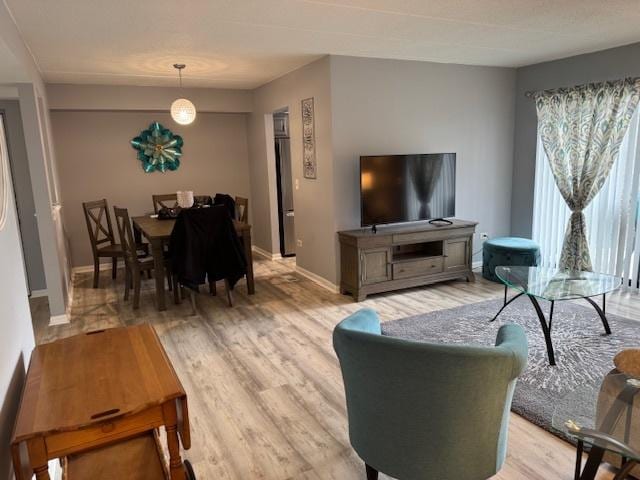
x,y
407,188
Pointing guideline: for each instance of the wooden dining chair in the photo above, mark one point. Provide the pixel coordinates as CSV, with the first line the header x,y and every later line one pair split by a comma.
x,y
242,209
180,292
103,241
159,200
214,291
135,266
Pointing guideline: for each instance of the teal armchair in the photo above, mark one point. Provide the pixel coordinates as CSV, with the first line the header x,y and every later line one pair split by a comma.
x,y
427,411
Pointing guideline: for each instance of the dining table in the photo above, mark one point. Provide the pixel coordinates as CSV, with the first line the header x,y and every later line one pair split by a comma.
x,y
158,232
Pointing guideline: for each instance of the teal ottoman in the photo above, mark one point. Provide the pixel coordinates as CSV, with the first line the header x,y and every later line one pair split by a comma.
x,y
511,251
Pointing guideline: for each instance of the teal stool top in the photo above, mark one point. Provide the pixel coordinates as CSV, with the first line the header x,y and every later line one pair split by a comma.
x,y
514,251
512,244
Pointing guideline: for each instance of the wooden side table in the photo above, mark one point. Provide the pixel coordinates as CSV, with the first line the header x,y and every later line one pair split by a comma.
x,y
96,389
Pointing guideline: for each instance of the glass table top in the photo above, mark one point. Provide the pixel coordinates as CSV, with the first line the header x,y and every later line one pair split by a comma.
x,y
608,417
553,284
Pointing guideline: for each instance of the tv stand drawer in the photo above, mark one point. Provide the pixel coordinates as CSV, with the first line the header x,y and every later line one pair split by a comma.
x,y
434,233
418,268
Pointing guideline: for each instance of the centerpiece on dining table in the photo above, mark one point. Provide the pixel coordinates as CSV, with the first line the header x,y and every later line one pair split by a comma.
x,y
184,199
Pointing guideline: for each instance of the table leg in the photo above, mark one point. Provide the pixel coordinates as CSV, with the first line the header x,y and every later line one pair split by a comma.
x,y
505,303
601,313
38,458
158,273
21,467
170,414
625,470
137,234
546,330
579,451
246,240
593,463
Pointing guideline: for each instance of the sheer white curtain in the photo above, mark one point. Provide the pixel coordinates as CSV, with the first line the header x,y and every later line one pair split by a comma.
x,y
612,217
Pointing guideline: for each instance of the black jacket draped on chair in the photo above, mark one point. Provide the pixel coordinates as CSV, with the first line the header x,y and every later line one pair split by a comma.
x,y
204,246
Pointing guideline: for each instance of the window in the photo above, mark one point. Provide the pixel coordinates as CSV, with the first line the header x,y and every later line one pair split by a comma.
x,y
612,217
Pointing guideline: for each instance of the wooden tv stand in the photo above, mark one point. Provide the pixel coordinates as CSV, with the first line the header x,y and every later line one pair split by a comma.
x,y
404,256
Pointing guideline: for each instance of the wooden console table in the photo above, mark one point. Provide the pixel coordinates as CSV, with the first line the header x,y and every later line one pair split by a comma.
x,y
107,387
404,256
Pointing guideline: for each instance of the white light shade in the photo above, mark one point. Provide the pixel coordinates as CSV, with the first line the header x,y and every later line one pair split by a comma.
x,y
183,111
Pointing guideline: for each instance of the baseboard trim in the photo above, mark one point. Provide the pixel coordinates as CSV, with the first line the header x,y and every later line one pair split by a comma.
x,y
265,254
39,293
59,320
323,282
476,264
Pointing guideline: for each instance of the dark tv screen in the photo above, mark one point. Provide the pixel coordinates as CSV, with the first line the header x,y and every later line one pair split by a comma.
x,y
407,188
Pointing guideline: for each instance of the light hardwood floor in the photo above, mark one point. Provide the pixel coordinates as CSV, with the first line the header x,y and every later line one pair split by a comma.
x,y
265,391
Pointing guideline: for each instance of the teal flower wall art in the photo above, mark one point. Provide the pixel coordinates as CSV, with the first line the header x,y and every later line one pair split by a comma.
x,y
158,148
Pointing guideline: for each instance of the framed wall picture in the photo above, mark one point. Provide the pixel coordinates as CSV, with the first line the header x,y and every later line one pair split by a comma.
x,y
308,139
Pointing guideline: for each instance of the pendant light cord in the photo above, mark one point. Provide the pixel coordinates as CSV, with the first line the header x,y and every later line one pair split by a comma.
x,y
179,67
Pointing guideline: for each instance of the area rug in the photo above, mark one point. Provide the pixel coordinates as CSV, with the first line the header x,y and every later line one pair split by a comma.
x,y
584,354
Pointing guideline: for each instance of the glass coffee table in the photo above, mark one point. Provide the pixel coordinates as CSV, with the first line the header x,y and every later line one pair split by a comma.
x,y
554,285
606,421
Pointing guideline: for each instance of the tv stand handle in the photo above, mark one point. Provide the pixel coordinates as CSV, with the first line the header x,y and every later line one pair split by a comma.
x,y
440,222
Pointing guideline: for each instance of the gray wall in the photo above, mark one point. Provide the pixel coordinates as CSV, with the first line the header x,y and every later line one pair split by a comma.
x,y
34,113
372,106
16,332
609,64
96,160
403,107
24,194
313,201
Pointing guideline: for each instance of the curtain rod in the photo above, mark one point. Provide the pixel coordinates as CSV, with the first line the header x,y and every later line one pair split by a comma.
x,y
532,93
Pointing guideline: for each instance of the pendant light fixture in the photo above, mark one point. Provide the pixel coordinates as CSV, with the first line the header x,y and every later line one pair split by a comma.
x,y
183,111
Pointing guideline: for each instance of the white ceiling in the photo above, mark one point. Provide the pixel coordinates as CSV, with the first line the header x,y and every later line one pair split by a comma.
x,y
245,43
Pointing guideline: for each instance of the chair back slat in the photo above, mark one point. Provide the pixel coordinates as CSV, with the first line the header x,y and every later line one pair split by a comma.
x,y
242,209
96,214
125,231
165,200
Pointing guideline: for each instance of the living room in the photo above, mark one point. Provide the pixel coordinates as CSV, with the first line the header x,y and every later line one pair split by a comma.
x,y
412,190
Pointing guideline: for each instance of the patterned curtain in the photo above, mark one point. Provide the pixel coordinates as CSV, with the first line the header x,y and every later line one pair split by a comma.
x,y
581,130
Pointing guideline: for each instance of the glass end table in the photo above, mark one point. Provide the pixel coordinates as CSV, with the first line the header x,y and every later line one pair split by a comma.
x,y
604,420
554,285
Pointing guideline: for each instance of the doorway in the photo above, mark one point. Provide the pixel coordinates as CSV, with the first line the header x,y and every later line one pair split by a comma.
x,y
4,150
284,183
23,195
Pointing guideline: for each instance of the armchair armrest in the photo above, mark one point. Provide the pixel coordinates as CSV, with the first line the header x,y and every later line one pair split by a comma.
x,y
513,339
364,320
